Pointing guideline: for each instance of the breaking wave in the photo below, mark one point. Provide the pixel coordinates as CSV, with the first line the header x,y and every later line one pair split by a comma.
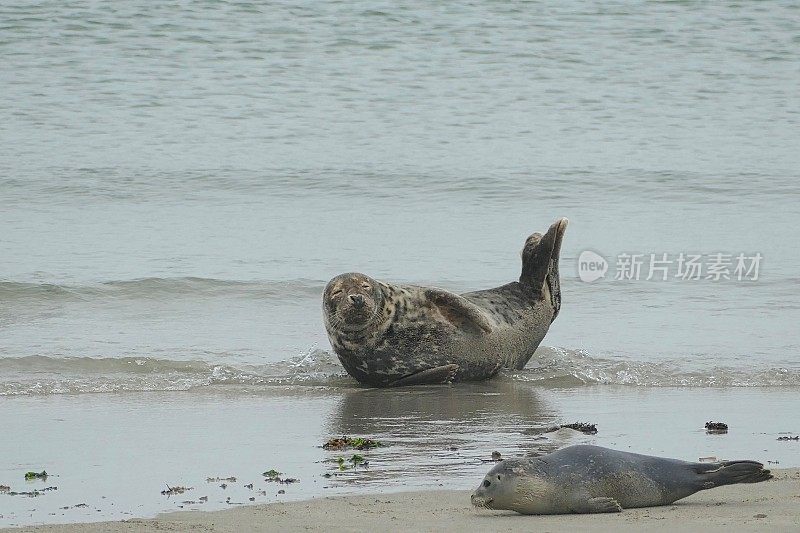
x,y
551,367
559,366
154,287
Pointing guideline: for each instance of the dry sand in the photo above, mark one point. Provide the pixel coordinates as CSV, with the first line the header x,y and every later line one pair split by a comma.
x,y
770,506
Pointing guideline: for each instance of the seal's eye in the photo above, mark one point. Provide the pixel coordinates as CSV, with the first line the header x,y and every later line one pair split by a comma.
x,y
365,286
486,482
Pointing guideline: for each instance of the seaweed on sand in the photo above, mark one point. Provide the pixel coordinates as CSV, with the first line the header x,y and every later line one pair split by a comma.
x,y
583,427
271,474
716,427
354,462
344,442
274,475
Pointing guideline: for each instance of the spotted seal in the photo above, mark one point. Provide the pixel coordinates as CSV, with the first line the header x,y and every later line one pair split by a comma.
x,y
390,335
591,479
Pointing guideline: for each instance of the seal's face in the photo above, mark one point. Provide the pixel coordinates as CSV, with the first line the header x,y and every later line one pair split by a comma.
x,y
351,301
496,491
515,485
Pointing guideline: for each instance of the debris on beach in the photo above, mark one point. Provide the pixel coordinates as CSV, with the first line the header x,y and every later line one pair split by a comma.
x,y
223,486
175,490
716,427
249,486
275,476
281,491
5,489
35,475
231,479
28,493
203,498
496,456
790,438
344,442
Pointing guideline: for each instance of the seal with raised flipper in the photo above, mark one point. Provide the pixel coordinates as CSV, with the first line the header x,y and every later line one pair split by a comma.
x,y
391,335
592,479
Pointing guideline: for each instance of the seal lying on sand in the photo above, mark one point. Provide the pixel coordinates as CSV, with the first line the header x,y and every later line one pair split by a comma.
x,y
390,335
591,479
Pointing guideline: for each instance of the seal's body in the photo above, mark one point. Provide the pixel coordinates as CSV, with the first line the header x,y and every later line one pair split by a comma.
x,y
591,479
390,335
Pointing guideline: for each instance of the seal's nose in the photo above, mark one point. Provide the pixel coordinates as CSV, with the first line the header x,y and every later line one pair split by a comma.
x,y
357,300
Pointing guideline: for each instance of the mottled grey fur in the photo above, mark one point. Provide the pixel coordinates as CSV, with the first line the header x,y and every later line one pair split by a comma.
x,y
389,335
591,479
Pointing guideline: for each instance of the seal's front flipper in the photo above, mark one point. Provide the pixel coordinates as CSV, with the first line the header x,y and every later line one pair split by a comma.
x,y
459,311
432,376
598,505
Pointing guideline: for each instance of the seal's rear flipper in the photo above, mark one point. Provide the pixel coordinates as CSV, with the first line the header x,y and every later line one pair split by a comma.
x,y
598,505
432,376
730,472
540,263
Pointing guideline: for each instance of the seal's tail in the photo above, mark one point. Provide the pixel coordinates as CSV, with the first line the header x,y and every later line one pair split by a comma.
x,y
540,263
730,472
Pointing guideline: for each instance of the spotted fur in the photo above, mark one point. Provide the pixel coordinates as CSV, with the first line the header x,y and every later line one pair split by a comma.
x,y
383,334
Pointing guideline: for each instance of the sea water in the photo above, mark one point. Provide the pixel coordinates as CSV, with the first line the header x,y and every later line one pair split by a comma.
x,y
179,181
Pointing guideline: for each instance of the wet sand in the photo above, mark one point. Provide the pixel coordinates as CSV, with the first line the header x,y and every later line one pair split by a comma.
x,y
116,452
770,506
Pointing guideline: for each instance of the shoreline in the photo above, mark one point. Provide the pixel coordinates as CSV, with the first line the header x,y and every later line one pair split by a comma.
x,y
768,506
117,452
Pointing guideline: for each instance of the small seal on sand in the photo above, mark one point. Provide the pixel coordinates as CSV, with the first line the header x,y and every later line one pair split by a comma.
x,y
591,479
391,335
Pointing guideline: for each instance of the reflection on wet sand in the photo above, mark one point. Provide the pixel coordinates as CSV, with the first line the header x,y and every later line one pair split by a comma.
x,y
437,432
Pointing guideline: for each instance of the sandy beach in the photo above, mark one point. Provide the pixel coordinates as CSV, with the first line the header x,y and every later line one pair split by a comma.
x,y
770,506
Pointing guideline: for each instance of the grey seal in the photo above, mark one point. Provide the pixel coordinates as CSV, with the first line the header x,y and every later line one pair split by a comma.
x,y
592,479
391,335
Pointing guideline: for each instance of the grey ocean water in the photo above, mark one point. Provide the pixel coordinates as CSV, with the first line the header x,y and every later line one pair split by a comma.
x,y
178,181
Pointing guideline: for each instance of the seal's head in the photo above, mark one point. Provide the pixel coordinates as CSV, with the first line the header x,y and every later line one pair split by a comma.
x,y
515,485
351,301
496,491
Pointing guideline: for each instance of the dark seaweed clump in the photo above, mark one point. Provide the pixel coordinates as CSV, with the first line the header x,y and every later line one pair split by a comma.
x,y
716,427
359,443
583,427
